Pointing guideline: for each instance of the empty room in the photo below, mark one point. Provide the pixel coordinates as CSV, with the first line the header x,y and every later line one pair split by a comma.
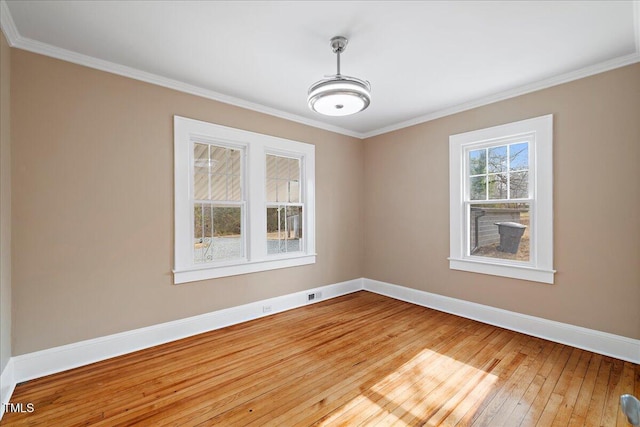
x,y
319,213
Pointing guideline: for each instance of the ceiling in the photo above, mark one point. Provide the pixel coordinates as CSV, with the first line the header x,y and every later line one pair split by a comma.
x,y
423,59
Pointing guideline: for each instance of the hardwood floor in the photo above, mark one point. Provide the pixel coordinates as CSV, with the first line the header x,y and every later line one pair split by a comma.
x,y
361,359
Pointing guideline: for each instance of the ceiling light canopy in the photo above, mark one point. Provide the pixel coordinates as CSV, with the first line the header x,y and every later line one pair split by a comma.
x,y
339,95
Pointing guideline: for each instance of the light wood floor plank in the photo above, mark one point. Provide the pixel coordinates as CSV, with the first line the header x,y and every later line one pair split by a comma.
x,y
626,383
596,405
308,370
578,417
550,373
571,393
614,390
361,359
390,395
519,383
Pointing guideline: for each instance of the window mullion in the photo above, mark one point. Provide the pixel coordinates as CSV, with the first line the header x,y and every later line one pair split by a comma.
x,y
486,174
209,171
508,172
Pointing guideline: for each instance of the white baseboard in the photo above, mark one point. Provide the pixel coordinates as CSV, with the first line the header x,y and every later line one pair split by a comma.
x,y
45,362
587,339
7,385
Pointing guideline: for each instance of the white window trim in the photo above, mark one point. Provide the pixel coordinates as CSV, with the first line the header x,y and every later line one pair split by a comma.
x,y
540,268
255,146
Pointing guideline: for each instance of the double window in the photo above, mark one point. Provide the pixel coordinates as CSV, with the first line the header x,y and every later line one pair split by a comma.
x,y
244,202
501,200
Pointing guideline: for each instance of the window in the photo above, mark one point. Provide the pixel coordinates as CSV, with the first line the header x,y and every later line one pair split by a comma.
x,y
501,200
284,205
244,202
219,203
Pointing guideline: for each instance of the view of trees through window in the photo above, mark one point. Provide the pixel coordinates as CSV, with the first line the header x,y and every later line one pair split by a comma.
x,y
499,202
284,229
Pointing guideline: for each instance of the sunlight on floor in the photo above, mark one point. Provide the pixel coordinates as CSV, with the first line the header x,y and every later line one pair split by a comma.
x,y
430,386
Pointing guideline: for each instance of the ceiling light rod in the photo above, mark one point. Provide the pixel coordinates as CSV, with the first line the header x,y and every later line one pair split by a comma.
x,y
339,95
339,44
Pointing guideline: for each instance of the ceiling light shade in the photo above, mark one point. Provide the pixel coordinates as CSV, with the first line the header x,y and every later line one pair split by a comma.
x,y
339,95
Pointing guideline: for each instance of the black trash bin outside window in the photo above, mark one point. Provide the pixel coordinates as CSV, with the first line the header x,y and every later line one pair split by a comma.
x,y
510,235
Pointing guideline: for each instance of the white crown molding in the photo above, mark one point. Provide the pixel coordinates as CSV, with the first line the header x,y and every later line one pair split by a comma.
x,y
636,23
576,336
512,93
6,23
16,40
122,70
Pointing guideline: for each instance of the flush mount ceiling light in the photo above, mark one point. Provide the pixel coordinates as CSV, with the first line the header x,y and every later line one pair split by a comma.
x,y
339,95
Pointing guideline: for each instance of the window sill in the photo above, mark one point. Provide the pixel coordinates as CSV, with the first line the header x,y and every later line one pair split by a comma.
x,y
512,271
208,272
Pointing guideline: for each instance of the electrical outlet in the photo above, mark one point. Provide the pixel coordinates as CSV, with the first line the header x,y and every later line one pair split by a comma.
x,y
318,295
311,297
266,309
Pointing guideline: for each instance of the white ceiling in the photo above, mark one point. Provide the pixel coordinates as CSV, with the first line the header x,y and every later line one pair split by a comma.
x,y
423,59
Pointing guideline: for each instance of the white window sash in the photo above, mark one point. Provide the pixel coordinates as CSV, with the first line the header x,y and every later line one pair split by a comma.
x,y
539,133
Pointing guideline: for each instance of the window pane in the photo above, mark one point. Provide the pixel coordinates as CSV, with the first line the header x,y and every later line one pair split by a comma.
x,y
201,185
235,192
226,221
289,167
519,156
202,233
218,160
207,221
197,221
233,178
217,233
284,229
294,169
271,166
478,188
294,191
293,228
519,185
278,166
201,159
275,230
200,171
271,191
234,162
509,240
497,159
218,187
217,173
498,186
477,162
282,191
283,179
294,179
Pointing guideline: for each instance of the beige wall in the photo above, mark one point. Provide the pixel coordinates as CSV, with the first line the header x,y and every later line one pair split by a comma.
x,y
92,170
93,205
5,203
596,205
